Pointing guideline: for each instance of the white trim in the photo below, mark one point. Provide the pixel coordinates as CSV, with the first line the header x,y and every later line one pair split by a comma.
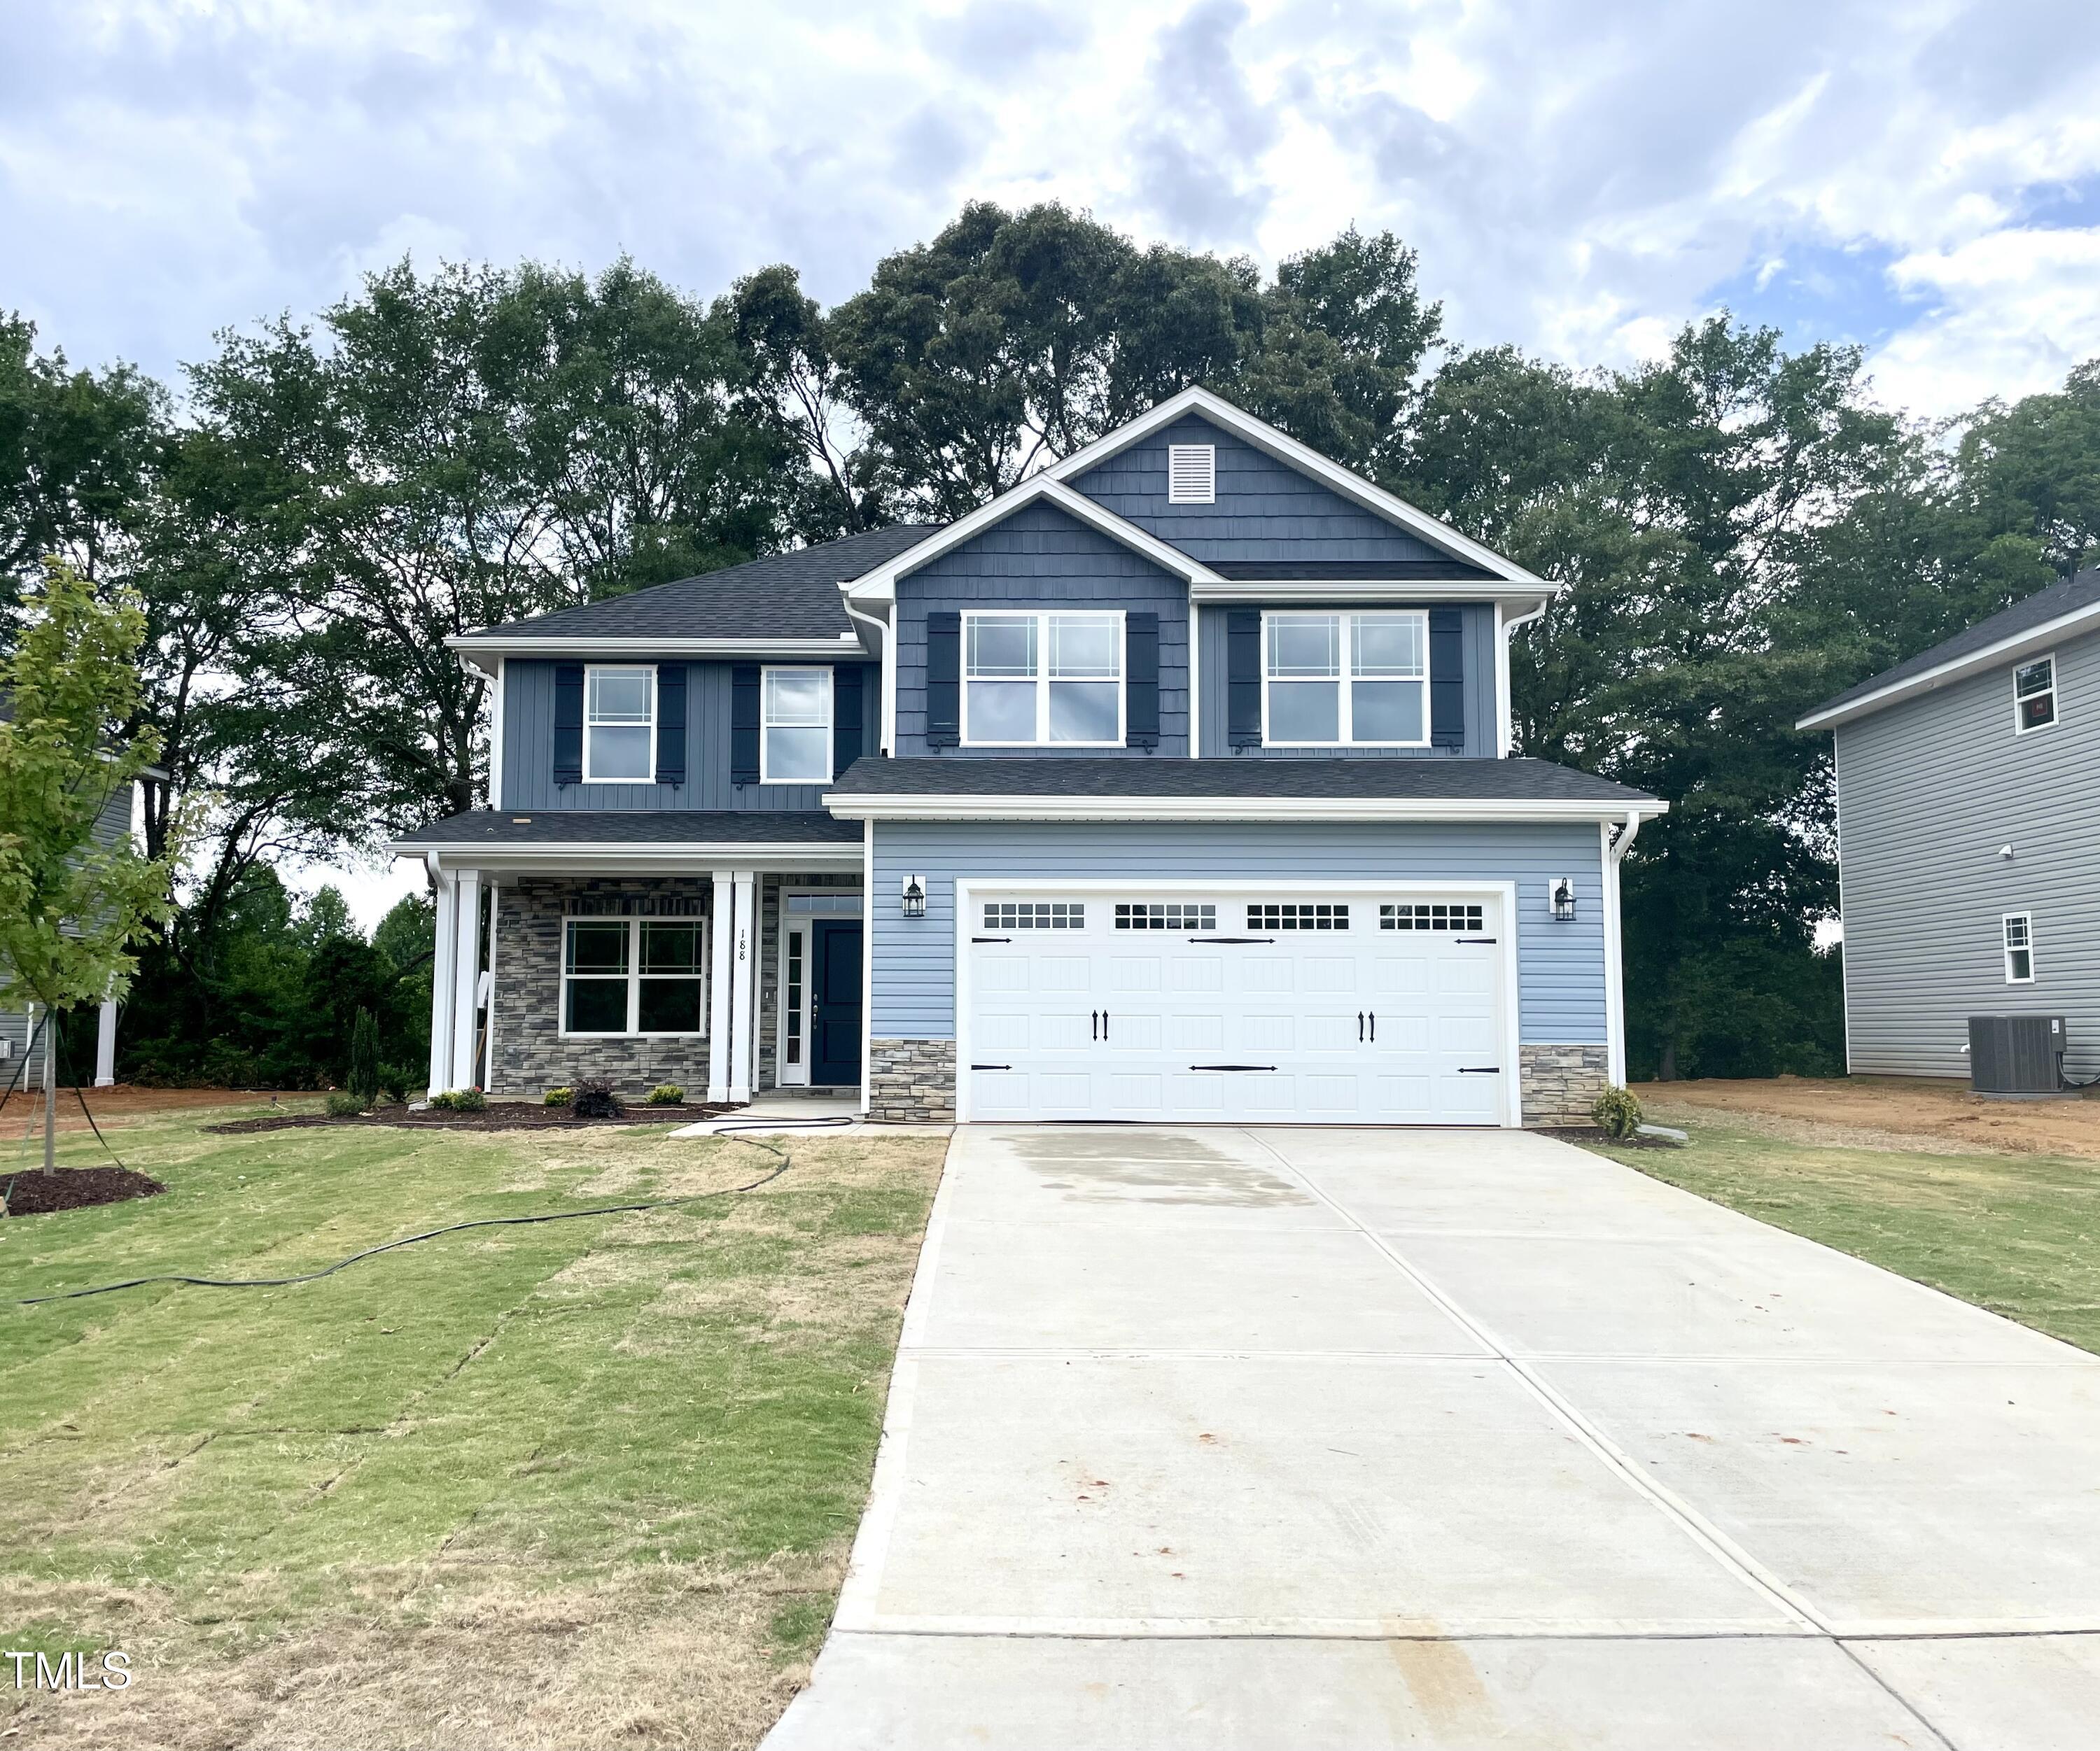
x,y
591,669
1613,855
496,737
963,808
473,645
1043,678
1838,826
1195,679
444,944
2008,949
866,963
1345,677
830,723
2055,699
720,909
743,1018
969,893
2006,649
105,1044
787,926
1266,437
1402,592
466,974
604,859
632,978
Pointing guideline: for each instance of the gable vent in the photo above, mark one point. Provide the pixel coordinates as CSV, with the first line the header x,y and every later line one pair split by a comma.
x,y
1192,473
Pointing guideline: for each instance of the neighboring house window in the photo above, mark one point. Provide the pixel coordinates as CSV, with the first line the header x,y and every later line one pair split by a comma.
x,y
1343,679
2019,948
2034,695
619,725
633,976
1034,678
796,745
1192,473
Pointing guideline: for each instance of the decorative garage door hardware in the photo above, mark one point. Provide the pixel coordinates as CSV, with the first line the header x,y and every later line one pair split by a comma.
x,y
1360,1026
1480,1070
991,939
1232,1066
991,1067
1232,939
1476,942
1100,1023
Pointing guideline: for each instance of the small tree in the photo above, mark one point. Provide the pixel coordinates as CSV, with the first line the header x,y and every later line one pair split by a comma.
x,y
364,1058
70,911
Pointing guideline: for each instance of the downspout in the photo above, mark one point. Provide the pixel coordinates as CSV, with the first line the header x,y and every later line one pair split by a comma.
x,y
885,731
1502,666
1617,845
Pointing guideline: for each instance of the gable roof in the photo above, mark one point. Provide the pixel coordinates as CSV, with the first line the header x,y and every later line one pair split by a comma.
x,y
788,597
2024,629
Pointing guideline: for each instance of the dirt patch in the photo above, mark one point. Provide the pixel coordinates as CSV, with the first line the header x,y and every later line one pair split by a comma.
x,y
37,1193
125,1104
1597,1134
1838,1111
506,1116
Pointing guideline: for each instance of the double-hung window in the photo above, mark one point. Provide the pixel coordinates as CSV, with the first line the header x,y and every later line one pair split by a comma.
x,y
633,976
795,748
1031,678
1346,680
2019,948
2034,695
619,725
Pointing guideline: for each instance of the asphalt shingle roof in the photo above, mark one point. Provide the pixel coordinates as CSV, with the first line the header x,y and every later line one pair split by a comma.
x,y
787,596
2073,594
612,827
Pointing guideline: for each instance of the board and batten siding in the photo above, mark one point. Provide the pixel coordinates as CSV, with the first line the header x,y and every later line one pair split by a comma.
x,y
1215,697
1560,965
528,747
1041,557
1264,508
1929,791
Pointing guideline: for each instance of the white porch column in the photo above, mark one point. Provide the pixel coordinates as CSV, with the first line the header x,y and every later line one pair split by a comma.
x,y
722,937
105,1045
466,976
441,985
743,1031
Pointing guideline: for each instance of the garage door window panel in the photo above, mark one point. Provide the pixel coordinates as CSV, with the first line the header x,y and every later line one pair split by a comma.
x,y
1346,680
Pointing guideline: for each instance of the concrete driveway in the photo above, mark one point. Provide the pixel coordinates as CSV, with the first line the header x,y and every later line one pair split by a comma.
x,y
1335,1439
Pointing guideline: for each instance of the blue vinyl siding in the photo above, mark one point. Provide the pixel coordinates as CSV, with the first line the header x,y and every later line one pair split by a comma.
x,y
1213,701
1265,509
1560,966
528,757
1041,558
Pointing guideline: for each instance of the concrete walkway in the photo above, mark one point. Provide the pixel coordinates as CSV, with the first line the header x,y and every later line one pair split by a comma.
x,y
1329,1439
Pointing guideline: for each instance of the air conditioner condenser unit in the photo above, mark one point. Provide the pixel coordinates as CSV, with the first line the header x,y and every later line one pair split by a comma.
x,y
2017,1054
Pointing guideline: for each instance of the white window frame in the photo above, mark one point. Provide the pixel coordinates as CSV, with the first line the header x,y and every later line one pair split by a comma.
x,y
2055,699
1042,617
765,723
1347,680
1209,452
2025,946
633,977
603,668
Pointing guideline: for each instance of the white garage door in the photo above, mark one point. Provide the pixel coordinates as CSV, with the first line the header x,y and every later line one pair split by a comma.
x,y
1257,1005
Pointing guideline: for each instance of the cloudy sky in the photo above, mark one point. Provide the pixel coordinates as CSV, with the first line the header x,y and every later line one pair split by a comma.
x,y
1922,177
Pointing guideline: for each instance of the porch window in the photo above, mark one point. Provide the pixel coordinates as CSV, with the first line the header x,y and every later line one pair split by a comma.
x,y
634,976
1346,680
796,745
619,725
1032,678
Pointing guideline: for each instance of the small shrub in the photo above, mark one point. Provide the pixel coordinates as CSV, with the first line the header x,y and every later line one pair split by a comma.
x,y
441,1100
469,1101
557,1096
344,1105
666,1094
595,1098
393,1087
1616,1113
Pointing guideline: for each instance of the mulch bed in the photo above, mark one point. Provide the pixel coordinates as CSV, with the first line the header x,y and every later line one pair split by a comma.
x,y
37,1193
501,1115
1597,1134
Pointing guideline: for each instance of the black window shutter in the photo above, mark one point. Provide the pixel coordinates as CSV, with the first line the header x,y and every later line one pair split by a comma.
x,y
568,723
743,724
1243,676
1447,678
846,708
944,679
1141,668
670,723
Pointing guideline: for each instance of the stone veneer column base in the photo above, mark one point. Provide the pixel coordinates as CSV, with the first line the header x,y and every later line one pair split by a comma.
x,y
912,1081
1560,1084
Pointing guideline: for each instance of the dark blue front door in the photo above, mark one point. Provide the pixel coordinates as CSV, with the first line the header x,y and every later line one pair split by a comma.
x,y
835,1003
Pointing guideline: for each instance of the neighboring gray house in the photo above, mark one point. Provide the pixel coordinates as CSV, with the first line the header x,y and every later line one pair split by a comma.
x,y
1172,784
1968,836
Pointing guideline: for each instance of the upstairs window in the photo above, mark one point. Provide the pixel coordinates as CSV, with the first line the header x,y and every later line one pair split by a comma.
x,y
795,747
2034,695
1346,680
1192,473
2019,948
1031,679
619,725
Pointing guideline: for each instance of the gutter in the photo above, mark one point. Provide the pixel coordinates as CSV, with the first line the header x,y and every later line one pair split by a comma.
x,y
877,807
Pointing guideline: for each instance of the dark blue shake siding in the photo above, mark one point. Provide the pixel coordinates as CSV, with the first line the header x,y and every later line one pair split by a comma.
x,y
1041,558
1265,508
528,759
1560,966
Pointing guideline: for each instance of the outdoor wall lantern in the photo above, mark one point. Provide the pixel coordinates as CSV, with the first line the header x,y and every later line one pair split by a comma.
x,y
1560,898
914,897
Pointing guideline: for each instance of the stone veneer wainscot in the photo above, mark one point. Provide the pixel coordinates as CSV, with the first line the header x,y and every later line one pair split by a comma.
x,y
1561,1083
912,1081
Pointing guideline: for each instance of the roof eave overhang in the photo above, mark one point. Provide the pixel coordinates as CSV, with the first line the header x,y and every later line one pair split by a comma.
x,y
474,645
583,859
1534,593
919,808
2031,642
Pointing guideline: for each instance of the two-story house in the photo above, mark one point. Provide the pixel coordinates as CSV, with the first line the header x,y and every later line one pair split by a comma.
x,y
1968,836
1174,783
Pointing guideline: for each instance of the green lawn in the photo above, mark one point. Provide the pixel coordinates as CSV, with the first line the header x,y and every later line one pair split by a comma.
x,y
2019,1234
589,1481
